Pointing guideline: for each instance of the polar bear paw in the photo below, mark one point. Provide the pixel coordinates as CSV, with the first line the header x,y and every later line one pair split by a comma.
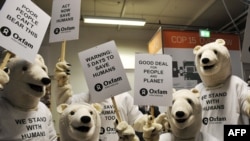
x,y
152,130
125,132
163,120
64,88
62,72
247,104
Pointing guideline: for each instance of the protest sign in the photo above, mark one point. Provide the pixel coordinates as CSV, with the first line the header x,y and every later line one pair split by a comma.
x,y
104,71
23,26
153,79
65,20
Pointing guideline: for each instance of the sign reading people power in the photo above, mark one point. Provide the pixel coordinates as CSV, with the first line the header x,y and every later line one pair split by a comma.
x,y
153,79
65,20
104,71
23,26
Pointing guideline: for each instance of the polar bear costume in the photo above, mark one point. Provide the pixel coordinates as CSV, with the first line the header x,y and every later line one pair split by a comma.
x,y
185,118
224,97
79,122
23,116
124,102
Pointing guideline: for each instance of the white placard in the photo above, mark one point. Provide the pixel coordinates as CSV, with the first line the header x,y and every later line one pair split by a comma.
x,y
104,71
153,79
23,26
65,20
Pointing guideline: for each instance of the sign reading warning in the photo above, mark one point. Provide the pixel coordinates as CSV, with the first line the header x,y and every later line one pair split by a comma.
x,y
23,26
65,20
104,71
153,79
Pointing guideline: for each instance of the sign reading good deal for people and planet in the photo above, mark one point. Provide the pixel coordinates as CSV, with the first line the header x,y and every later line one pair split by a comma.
x,y
153,79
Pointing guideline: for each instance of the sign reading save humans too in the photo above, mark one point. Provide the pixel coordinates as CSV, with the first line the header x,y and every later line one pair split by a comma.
x,y
153,79
104,71
65,20
23,26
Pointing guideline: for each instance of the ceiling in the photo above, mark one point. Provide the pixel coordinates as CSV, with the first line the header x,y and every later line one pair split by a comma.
x,y
216,15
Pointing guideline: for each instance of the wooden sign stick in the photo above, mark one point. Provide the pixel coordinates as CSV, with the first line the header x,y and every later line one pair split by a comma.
x,y
63,48
116,109
152,111
5,60
62,82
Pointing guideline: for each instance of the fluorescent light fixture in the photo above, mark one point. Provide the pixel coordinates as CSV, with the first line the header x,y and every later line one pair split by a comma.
x,y
204,33
114,21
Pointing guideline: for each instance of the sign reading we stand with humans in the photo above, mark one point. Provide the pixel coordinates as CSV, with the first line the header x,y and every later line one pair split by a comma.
x,y
153,80
23,26
65,20
104,71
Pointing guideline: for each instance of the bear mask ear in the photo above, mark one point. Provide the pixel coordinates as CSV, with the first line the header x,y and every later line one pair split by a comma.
x,y
98,107
195,92
196,48
61,108
220,42
174,90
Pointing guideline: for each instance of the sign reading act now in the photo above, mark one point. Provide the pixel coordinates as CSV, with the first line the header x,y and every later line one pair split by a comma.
x,y
241,132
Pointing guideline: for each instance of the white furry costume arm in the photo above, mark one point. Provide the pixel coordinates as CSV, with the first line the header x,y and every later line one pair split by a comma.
x,y
125,132
64,89
4,78
246,104
152,129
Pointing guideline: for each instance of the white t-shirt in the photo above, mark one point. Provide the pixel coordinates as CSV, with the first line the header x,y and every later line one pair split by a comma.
x,y
127,110
222,106
17,125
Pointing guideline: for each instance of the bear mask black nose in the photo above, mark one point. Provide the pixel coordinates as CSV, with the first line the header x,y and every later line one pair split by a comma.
x,y
205,60
179,114
85,119
46,81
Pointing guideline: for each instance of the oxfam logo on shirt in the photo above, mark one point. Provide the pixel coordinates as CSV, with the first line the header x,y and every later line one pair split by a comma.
x,y
213,120
205,120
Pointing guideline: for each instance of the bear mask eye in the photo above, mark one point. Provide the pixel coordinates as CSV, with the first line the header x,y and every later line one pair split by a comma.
x,y
25,68
173,102
91,112
199,56
72,112
215,52
44,69
189,101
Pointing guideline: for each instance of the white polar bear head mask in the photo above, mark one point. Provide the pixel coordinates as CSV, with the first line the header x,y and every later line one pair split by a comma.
x,y
184,115
79,121
27,82
213,63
